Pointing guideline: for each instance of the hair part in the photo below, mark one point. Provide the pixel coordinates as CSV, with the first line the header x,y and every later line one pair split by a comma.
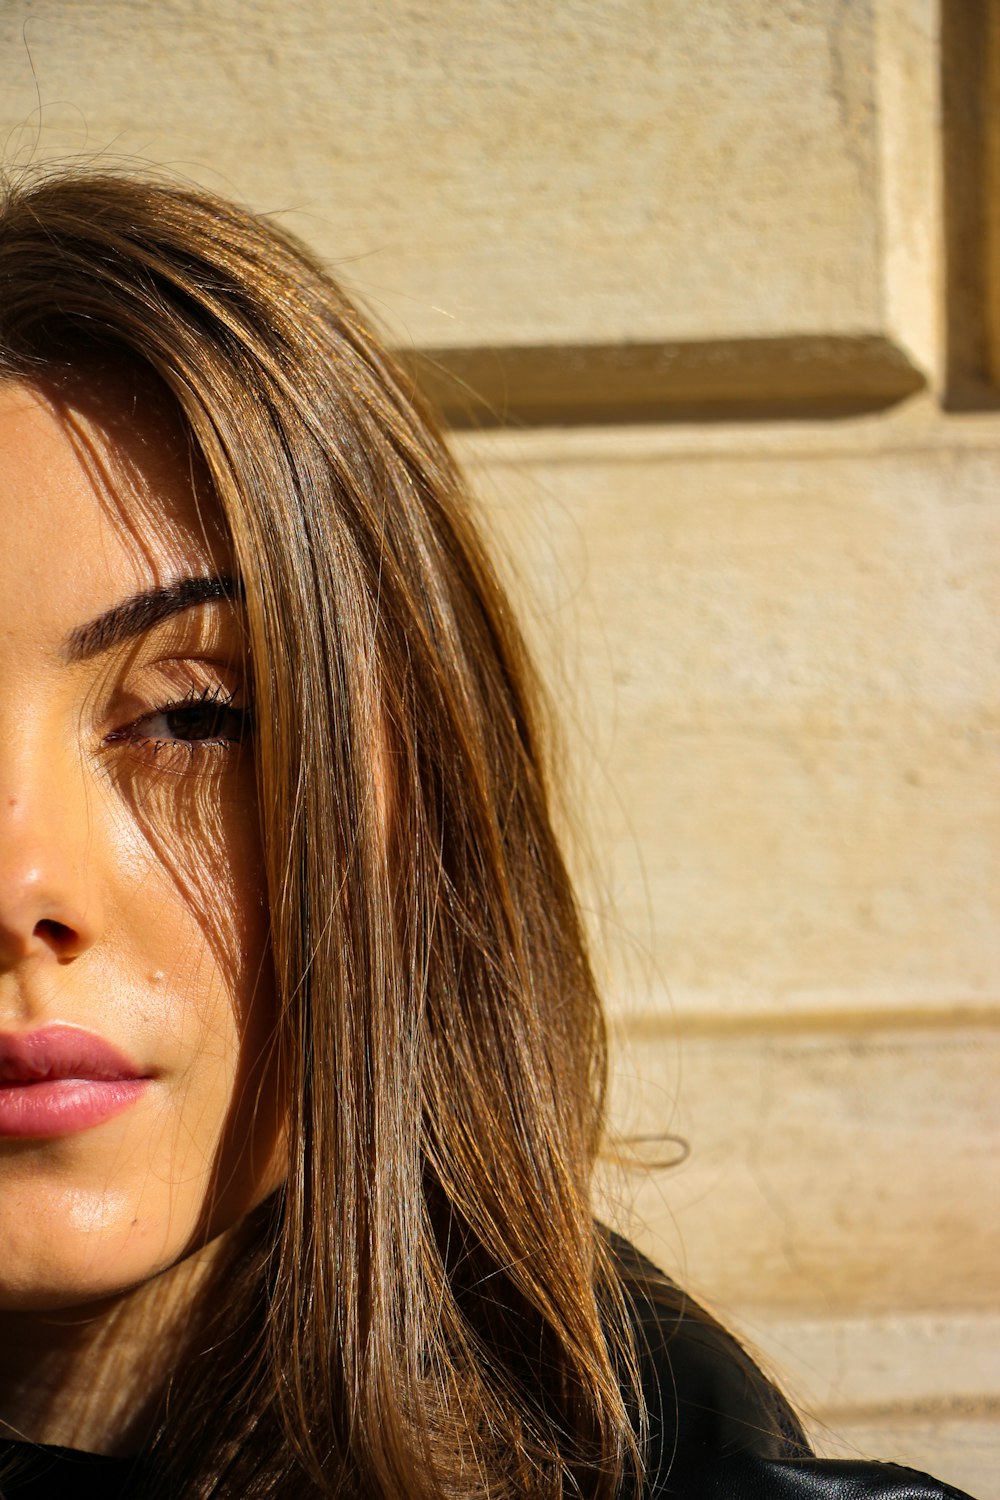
x,y
426,1306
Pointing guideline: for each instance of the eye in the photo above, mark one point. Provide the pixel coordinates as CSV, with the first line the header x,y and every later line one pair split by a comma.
x,y
202,721
194,723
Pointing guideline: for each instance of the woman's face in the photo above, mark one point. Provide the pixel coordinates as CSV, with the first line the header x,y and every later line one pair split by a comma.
x,y
138,1103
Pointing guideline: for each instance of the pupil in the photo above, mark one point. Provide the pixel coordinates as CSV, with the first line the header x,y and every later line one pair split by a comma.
x,y
206,721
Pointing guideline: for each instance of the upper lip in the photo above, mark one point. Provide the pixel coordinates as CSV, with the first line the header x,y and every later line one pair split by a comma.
x,y
61,1051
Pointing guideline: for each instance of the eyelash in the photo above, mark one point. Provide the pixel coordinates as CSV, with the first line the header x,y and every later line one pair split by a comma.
x,y
216,702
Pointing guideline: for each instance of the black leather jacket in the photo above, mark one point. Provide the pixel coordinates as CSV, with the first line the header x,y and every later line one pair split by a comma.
x,y
718,1428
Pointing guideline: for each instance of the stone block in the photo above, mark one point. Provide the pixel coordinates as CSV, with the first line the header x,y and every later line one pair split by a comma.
x,y
591,209
781,661
846,1174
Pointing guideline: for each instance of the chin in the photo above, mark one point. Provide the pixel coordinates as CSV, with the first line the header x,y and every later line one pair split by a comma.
x,y
90,1248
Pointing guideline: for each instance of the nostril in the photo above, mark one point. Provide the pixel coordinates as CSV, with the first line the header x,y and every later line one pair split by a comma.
x,y
56,934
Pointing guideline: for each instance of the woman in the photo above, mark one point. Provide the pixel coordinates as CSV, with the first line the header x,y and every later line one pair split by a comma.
x,y
300,1053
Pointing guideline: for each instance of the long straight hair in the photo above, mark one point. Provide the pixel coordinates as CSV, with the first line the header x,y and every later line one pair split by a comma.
x,y
425,1307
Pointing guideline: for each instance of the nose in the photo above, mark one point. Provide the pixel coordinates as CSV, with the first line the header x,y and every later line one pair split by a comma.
x,y
49,904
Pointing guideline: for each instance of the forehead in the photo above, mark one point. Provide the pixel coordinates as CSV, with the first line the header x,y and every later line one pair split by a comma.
x,y
101,495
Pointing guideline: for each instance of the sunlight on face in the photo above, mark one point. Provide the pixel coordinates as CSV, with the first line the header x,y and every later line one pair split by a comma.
x,y
138,1102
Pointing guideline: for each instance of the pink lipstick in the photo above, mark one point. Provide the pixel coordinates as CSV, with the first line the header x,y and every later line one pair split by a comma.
x,y
62,1079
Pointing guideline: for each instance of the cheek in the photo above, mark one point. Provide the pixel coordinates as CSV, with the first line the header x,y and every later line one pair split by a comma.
x,y
194,908
189,845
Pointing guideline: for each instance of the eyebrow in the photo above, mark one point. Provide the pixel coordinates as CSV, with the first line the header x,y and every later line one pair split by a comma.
x,y
134,616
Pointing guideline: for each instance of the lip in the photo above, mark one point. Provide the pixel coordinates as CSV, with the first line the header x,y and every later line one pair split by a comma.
x,y
62,1079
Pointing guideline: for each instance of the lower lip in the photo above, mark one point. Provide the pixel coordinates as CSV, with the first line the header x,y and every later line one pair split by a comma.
x,y
62,1106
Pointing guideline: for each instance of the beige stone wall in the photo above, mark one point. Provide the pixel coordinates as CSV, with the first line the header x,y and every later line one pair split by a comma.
x,y
718,284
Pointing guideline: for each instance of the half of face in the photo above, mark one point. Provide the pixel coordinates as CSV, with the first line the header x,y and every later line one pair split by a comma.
x,y
139,1106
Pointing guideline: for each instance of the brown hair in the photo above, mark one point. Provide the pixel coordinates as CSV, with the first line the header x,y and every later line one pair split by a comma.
x,y
426,1307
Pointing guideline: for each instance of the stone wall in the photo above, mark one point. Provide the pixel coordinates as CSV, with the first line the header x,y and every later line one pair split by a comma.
x,y
709,294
